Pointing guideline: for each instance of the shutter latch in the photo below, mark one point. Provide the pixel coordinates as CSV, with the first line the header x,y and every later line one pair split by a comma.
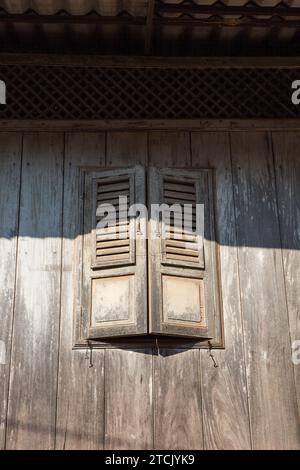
x,y
211,354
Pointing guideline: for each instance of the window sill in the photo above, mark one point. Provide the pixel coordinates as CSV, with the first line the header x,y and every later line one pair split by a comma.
x,y
147,341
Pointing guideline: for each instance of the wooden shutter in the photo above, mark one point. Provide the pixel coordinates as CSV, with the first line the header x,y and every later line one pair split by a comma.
x,y
182,262
114,256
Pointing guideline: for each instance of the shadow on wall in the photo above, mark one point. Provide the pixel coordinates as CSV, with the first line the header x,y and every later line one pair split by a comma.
x,y
256,196
262,218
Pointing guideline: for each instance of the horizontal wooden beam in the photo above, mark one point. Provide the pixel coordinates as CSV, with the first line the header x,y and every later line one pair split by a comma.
x,y
151,124
149,62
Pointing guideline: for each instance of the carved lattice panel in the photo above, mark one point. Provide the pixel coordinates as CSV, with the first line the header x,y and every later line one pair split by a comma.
x,y
88,93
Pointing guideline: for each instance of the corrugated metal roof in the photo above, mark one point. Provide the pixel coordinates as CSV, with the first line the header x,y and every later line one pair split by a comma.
x,y
114,7
76,7
175,32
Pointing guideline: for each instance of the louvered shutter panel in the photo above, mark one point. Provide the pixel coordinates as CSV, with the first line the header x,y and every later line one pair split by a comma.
x,y
113,245
182,261
114,254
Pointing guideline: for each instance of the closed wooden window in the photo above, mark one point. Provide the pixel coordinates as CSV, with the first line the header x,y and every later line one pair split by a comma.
x,y
149,254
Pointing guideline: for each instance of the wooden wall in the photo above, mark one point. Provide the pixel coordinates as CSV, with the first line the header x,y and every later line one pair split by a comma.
x,y
50,397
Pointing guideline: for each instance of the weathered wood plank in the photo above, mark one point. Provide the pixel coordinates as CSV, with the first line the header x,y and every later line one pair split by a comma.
x,y
165,125
287,166
80,411
128,399
126,148
177,393
273,406
128,374
94,60
224,392
169,148
177,400
32,398
10,167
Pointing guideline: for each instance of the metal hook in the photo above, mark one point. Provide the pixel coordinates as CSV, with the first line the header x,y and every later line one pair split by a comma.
x,y
211,355
90,354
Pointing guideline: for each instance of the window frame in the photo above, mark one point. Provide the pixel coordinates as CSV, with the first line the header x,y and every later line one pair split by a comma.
x,y
147,340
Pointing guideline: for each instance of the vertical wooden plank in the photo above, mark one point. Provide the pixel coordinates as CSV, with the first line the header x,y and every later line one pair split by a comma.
x,y
128,399
32,397
169,148
126,148
10,167
128,374
272,397
80,412
177,400
287,166
177,421
224,392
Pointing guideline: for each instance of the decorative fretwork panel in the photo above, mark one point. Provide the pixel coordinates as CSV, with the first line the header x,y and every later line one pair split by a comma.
x,y
89,93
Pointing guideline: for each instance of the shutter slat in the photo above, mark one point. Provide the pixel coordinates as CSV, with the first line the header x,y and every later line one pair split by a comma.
x,y
118,237
182,244
187,205
177,231
183,258
101,251
178,235
112,243
182,251
180,195
175,186
113,187
112,197
117,216
115,258
119,226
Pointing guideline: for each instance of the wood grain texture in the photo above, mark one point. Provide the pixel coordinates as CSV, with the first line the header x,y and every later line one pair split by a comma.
x,y
120,293
150,62
161,125
169,148
128,399
225,402
177,393
10,167
175,283
80,401
126,148
80,407
287,166
32,398
128,374
177,400
272,396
